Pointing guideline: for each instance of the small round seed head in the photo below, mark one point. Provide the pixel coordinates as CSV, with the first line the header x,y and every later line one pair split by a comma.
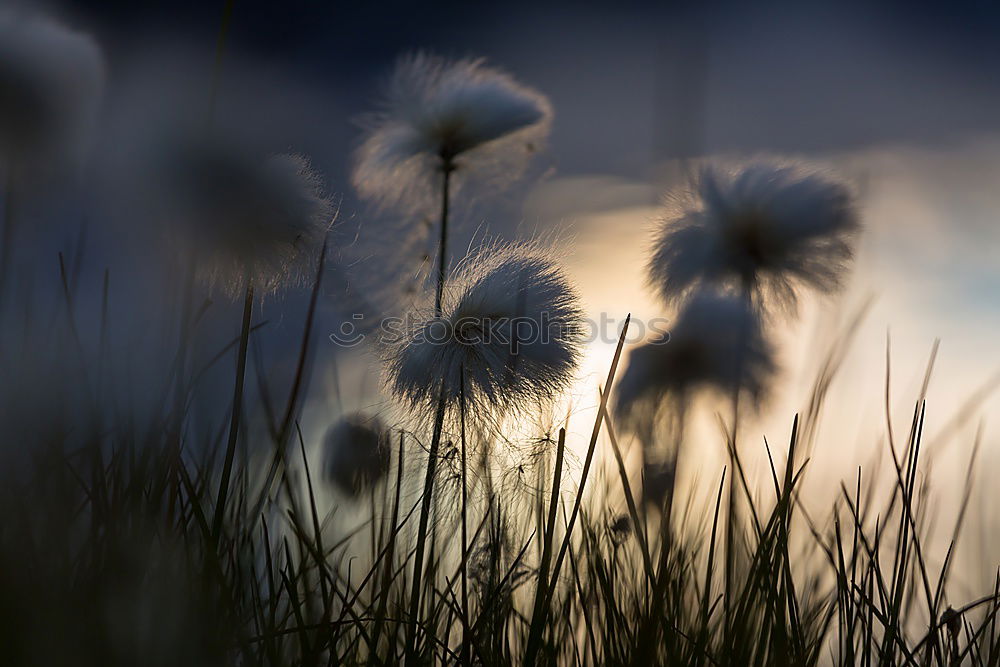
x,y
356,451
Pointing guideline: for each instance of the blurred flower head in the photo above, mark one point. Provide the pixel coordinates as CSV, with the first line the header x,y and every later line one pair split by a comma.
x,y
461,116
51,79
245,219
659,476
763,227
511,323
356,453
620,530
717,343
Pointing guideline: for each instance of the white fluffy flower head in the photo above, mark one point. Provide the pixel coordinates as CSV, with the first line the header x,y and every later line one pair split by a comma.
x,y
717,344
511,324
764,227
457,115
51,79
247,220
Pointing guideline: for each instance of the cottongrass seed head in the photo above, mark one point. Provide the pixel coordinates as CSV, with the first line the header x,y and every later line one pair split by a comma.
x,y
247,219
717,344
356,453
438,114
511,322
765,227
51,80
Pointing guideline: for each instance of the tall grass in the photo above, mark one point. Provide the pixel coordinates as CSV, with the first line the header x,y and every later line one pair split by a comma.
x,y
116,550
141,524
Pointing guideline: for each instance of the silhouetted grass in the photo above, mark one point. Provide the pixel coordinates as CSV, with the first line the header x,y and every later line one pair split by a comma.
x,y
115,550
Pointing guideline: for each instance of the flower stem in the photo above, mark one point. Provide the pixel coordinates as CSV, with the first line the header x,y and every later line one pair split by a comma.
x,y
234,424
530,656
747,287
539,612
447,168
9,222
299,384
184,335
465,659
442,274
425,508
674,456
220,50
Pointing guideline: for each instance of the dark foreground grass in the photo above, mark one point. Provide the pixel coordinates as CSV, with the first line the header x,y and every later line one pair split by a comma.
x,y
116,550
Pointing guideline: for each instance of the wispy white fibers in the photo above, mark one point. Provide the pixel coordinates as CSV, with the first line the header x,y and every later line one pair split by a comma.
x,y
764,227
717,344
356,453
245,218
447,115
511,322
51,79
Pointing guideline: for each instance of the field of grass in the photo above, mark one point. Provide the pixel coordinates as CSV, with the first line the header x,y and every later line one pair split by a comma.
x,y
161,505
115,550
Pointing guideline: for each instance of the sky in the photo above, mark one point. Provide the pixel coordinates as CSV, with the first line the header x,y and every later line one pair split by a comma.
x,y
634,83
904,98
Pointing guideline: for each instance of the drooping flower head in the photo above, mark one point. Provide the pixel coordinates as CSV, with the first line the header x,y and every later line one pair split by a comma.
x,y
356,453
717,344
447,115
620,530
511,324
763,227
246,218
51,79
659,475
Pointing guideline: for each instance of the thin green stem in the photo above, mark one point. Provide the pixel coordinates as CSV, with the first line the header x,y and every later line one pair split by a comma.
x,y
234,423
